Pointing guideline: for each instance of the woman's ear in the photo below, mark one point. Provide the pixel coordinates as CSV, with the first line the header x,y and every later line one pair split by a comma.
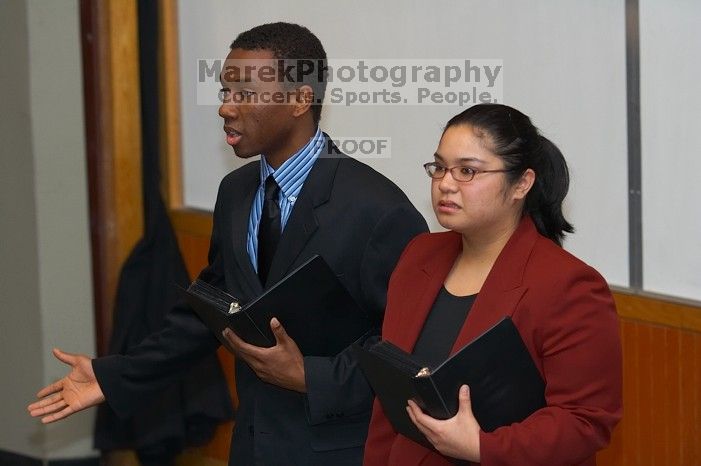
x,y
304,96
524,184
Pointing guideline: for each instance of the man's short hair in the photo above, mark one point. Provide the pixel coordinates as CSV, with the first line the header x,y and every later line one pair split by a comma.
x,y
291,42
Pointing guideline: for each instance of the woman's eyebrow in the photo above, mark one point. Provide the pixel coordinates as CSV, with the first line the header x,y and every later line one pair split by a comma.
x,y
460,159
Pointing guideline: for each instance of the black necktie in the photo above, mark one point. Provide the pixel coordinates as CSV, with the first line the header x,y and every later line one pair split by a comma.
x,y
269,229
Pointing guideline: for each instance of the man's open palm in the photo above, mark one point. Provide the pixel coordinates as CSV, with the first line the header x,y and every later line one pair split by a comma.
x,y
75,392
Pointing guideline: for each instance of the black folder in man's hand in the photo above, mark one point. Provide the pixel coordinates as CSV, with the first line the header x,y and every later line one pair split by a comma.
x,y
505,385
310,303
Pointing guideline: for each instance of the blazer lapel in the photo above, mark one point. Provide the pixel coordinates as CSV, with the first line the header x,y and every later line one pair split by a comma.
x,y
419,298
303,222
503,288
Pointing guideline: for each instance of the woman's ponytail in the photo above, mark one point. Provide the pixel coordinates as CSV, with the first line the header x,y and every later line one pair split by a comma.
x,y
544,201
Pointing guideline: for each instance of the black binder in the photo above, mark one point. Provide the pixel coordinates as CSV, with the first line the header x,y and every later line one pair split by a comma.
x,y
505,385
310,302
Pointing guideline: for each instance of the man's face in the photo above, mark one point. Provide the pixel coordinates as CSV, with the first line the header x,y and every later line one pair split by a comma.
x,y
257,109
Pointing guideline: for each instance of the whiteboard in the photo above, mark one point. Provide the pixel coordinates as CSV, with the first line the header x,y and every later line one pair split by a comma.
x,y
563,65
670,66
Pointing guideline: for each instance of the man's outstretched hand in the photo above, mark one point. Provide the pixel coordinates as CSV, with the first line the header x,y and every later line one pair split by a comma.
x,y
73,393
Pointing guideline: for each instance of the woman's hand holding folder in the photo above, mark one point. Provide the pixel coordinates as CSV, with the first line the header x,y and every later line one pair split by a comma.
x,y
457,437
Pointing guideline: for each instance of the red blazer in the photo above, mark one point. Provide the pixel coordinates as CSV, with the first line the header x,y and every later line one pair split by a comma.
x,y
566,316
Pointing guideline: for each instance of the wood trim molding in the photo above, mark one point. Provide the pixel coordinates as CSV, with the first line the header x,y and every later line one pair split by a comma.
x,y
657,310
125,130
113,132
169,98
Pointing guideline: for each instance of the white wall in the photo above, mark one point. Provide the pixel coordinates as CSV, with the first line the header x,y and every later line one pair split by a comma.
x,y
563,64
670,66
46,286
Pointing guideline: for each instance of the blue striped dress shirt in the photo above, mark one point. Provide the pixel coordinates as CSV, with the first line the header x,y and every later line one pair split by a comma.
x,y
289,177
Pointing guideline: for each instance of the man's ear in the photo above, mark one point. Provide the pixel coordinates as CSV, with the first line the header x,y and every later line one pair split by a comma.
x,y
524,184
304,97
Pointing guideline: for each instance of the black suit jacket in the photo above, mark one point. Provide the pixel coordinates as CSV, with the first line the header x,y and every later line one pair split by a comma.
x,y
359,222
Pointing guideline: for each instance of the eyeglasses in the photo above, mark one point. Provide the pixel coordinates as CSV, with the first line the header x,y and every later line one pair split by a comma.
x,y
437,171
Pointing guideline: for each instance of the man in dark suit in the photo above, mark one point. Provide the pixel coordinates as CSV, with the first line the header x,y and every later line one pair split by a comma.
x,y
303,198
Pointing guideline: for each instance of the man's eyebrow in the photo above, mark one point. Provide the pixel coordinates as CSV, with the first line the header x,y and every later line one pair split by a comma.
x,y
237,80
229,72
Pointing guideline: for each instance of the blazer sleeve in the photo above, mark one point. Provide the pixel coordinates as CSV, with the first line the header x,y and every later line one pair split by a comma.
x,y
336,387
576,337
130,380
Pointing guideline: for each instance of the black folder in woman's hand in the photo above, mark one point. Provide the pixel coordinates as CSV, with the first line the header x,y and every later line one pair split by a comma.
x,y
312,305
505,385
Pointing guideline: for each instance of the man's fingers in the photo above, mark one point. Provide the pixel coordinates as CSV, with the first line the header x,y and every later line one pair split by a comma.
x,y
45,401
49,389
67,358
237,344
232,337
50,409
57,416
278,331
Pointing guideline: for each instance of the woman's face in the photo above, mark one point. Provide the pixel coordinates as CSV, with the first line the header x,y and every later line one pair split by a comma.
x,y
486,205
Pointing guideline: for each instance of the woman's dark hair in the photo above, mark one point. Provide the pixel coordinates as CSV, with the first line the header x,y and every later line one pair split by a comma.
x,y
511,135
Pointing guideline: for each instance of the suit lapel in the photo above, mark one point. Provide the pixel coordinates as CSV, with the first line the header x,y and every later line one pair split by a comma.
x,y
303,221
241,210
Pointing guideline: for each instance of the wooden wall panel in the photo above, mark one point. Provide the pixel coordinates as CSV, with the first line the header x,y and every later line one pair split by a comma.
x,y
661,396
671,404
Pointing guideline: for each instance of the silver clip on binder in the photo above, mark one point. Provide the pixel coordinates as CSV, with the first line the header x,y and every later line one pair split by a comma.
x,y
234,307
424,372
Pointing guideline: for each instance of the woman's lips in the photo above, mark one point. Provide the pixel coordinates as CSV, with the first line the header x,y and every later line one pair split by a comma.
x,y
447,206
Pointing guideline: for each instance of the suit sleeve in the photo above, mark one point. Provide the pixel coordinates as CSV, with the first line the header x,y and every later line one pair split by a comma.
x,y
336,387
578,341
130,380
381,434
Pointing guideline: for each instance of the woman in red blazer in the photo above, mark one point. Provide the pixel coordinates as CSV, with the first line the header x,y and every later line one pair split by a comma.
x,y
498,186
